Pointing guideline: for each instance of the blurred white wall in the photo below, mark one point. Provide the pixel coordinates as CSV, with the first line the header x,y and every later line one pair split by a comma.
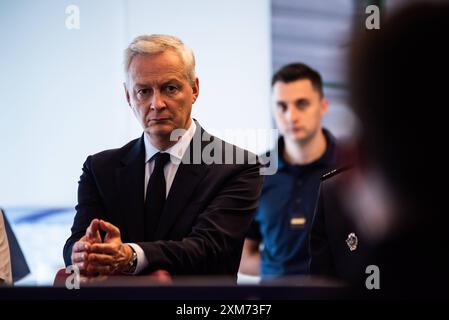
x,y
61,95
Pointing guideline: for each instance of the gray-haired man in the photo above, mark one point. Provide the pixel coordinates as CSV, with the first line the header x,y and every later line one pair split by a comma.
x,y
156,212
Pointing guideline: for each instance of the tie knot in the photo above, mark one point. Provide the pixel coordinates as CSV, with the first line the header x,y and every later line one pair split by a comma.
x,y
160,160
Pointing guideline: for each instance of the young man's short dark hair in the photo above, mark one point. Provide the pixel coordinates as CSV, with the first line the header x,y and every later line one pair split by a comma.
x,y
298,71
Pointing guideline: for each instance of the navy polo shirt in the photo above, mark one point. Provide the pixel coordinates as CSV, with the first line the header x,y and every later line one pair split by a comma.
x,y
286,207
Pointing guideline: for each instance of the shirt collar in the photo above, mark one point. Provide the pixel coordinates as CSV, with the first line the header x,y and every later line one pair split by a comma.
x,y
330,155
326,159
177,150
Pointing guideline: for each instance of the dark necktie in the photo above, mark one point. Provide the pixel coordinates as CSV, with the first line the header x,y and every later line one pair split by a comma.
x,y
155,197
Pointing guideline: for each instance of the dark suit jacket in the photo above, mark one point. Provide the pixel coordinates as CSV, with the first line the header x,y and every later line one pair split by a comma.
x,y
409,257
208,211
330,253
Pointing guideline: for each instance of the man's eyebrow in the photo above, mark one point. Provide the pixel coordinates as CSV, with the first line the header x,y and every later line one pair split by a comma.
x,y
143,85
172,80
163,82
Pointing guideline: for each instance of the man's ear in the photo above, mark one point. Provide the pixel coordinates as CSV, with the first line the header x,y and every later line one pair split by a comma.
x,y
195,90
324,106
127,94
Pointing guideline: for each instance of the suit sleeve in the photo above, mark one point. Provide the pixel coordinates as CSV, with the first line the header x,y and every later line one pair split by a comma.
x,y
214,245
321,262
90,206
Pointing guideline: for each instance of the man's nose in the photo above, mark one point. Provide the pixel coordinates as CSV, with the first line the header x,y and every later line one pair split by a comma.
x,y
291,114
157,101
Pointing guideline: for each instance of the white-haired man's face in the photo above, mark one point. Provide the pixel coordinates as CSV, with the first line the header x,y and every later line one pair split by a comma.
x,y
160,94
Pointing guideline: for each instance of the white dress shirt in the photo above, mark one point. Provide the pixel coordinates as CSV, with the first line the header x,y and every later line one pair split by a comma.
x,y
176,153
5,259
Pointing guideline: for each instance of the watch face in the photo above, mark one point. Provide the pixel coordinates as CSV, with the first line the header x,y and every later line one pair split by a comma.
x,y
132,264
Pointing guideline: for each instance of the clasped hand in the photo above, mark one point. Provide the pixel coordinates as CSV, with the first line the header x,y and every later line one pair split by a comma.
x,y
95,257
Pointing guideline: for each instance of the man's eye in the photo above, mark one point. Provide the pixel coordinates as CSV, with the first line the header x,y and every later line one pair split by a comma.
x,y
302,104
143,93
281,107
170,89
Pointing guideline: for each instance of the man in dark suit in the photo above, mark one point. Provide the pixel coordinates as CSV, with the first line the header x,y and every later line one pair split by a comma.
x,y
176,199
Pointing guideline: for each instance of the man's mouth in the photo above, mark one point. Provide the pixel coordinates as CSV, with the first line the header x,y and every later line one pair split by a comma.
x,y
159,119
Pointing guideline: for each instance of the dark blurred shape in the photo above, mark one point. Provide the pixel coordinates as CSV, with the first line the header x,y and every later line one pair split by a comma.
x,y
398,93
393,200
19,266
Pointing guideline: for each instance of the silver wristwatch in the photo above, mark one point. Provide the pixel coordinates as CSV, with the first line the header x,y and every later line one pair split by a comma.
x,y
132,265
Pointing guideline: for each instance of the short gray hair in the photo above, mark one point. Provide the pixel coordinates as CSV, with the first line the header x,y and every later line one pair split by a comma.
x,y
159,43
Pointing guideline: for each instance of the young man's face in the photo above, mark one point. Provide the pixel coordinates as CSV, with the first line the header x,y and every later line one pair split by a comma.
x,y
160,94
298,109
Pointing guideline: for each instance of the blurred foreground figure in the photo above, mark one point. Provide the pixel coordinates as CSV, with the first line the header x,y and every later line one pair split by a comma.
x,y
383,224
5,260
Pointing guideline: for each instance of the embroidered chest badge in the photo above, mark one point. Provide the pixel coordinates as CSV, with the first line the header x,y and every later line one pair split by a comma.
x,y
352,241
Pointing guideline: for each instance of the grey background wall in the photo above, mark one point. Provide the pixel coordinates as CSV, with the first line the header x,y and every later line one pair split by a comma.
x,y
317,33
61,93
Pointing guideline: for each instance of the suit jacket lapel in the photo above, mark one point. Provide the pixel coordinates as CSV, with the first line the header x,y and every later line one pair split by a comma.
x,y
130,179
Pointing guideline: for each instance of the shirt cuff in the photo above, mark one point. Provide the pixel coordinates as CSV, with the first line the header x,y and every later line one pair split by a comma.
x,y
142,261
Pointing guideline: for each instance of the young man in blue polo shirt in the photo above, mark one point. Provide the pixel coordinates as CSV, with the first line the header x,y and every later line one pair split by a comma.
x,y
306,151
